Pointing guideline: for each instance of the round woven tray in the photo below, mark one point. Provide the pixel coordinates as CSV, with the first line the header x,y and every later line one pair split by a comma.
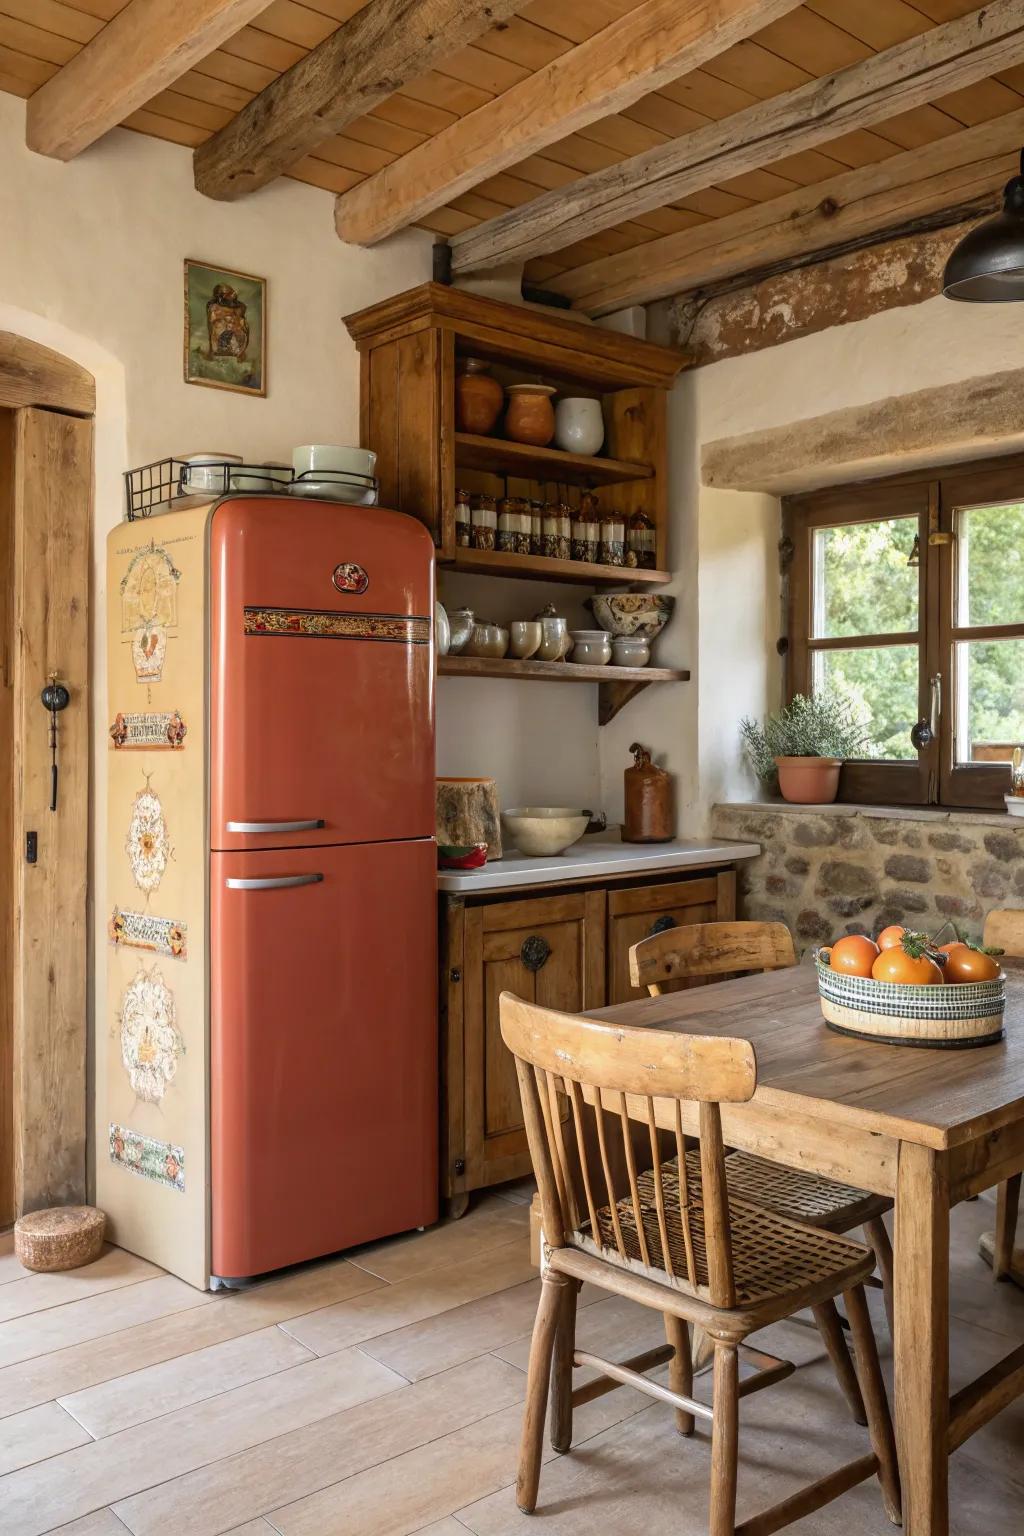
x,y
64,1237
953,1017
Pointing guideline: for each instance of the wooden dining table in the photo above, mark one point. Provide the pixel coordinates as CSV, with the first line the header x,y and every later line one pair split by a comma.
x,y
928,1127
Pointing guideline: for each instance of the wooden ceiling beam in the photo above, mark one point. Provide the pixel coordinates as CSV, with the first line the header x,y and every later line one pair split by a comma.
x,y
953,174
943,59
378,50
142,50
635,54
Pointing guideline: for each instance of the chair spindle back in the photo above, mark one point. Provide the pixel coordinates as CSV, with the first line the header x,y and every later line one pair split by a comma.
x,y
578,1078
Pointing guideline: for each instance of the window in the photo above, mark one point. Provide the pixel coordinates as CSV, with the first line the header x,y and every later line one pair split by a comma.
x,y
907,597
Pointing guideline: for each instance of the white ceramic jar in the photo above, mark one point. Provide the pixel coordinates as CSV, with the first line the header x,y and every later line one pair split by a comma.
x,y
591,647
579,425
630,651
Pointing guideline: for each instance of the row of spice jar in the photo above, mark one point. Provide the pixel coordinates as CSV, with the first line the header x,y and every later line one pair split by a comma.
x,y
514,526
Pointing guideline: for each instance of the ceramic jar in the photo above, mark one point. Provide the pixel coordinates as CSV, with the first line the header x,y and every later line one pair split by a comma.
x,y
591,647
554,637
536,526
478,398
530,417
612,548
630,651
525,637
489,640
579,425
586,530
649,814
513,526
463,520
641,542
483,521
556,531
460,627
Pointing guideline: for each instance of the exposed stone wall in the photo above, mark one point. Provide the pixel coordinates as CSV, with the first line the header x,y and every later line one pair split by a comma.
x,y
842,869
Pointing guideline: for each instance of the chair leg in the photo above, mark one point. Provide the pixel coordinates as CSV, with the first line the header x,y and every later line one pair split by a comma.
x,y
883,1440
1006,1227
877,1234
725,1429
680,1370
831,1330
561,1370
531,1446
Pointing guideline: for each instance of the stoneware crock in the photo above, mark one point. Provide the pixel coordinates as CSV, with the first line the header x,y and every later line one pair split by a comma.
x,y
579,425
530,417
478,397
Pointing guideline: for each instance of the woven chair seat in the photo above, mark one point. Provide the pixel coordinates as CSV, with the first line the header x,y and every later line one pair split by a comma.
x,y
803,1197
772,1257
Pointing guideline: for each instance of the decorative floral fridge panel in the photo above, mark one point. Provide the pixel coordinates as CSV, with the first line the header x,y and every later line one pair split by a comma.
x,y
152,1045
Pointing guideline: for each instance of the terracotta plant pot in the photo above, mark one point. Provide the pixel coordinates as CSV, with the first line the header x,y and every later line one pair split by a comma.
x,y
478,398
809,780
530,417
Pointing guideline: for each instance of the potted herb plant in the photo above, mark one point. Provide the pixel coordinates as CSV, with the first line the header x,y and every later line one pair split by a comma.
x,y
806,744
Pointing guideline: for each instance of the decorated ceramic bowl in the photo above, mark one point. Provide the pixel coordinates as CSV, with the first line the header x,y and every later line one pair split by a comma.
x,y
965,1014
542,830
632,613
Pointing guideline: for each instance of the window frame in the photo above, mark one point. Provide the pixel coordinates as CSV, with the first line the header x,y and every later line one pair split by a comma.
x,y
934,496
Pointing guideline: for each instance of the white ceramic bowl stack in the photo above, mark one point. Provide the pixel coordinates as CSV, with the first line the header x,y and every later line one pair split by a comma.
x,y
335,473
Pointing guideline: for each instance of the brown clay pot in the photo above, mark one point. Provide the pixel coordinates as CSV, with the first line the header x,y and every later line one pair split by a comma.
x,y
530,417
478,398
809,780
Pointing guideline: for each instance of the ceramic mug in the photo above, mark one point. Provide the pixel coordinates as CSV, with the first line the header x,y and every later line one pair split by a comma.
x,y
525,635
554,635
460,628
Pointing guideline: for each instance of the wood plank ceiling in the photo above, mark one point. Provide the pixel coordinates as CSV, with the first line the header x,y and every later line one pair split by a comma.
x,y
948,153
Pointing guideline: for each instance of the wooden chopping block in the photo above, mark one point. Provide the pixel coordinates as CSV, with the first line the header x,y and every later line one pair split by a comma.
x,y
467,813
64,1237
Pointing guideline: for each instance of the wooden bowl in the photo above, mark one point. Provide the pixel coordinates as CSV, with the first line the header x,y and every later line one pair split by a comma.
x,y
953,1017
64,1237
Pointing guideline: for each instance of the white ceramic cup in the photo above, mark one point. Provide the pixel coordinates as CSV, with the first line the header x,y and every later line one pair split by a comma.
x,y
579,425
525,636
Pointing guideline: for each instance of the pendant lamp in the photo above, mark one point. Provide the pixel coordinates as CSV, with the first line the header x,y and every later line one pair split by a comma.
x,y
987,266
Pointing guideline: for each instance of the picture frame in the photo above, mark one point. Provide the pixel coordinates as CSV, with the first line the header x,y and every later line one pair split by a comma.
x,y
225,341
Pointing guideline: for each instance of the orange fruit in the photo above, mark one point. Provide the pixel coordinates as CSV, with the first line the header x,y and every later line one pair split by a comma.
x,y
854,955
967,964
906,970
891,936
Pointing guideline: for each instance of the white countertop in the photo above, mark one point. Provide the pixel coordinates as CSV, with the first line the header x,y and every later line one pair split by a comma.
x,y
592,858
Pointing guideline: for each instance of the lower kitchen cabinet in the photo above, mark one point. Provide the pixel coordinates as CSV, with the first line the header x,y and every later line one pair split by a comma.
x,y
566,948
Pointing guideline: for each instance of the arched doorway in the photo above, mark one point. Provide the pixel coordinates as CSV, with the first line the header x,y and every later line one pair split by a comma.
x,y
47,403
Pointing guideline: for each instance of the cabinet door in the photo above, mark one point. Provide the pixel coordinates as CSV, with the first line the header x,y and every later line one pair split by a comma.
x,y
636,914
549,951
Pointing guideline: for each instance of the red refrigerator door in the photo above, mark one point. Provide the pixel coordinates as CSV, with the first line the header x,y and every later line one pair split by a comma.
x,y
323,1050
321,691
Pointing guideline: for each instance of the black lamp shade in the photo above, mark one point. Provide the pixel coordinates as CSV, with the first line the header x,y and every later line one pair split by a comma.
x,y
987,267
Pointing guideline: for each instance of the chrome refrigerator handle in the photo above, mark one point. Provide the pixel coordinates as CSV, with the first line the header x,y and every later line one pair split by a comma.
x,y
276,826
271,882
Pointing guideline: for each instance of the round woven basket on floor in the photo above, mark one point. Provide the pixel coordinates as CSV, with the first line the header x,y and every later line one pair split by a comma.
x,y
64,1237
958,1016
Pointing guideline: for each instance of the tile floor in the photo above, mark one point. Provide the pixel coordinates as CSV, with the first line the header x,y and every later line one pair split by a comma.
x,y
380,1395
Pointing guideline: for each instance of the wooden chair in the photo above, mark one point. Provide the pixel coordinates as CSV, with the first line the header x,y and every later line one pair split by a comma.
x,y
672,958
684,1246
1004,929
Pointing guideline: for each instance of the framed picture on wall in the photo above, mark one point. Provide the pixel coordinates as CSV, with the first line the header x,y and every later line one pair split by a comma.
x,y
225,329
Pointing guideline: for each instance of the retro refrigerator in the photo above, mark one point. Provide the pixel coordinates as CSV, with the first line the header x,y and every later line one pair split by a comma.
x,y
267,1076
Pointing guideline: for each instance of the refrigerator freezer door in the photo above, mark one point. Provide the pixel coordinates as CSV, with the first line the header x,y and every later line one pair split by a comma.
x,y
323,1050
321,693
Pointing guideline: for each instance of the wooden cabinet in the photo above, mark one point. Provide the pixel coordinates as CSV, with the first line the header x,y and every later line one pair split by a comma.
x,y
566,948
636,914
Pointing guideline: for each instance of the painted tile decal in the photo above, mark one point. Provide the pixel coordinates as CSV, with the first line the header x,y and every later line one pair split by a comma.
x,y
141,930
320,624
151,1042
150,1159
135,730
149,609
147,844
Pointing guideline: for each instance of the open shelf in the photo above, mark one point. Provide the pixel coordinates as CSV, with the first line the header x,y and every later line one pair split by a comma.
x,y
617,685
491,562
519,459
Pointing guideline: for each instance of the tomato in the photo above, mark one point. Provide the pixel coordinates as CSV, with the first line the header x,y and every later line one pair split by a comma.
x,y
967,964
896,965
891,936
854,955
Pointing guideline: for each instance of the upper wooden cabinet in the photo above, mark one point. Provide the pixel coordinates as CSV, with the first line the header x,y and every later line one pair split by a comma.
x,y
410,346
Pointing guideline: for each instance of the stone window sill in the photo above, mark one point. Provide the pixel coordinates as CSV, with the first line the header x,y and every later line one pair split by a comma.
x,y
931,813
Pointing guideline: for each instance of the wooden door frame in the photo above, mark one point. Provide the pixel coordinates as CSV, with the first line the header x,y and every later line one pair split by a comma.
x,y
43,1010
